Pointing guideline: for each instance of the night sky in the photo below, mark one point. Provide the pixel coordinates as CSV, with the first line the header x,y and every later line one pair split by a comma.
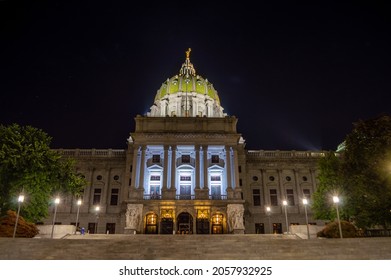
x,y
296,76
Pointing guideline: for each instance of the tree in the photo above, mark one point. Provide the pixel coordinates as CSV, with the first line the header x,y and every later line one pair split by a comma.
x,y
330,181
28,165
361,174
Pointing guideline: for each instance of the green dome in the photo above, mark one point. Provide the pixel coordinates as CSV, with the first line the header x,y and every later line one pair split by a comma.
x,y
190,84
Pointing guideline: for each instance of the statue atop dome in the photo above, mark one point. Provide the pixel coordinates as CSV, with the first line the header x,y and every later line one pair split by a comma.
x,y
187,95
188,53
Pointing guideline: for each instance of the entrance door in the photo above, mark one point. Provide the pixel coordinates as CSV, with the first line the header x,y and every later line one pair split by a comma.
x,y
167,226
277,228
217,224
151,224
202,226
185,223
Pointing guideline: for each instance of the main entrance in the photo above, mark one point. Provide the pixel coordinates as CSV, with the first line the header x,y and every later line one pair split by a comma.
x,y
185,223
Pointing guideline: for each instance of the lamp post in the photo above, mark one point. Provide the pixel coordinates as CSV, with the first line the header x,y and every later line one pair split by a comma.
x,y
20,200
305,202
285,203
336,201
268,210
56,202
77,215
97,208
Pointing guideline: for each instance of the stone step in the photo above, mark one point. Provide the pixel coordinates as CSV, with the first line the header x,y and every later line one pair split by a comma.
x,y
193,247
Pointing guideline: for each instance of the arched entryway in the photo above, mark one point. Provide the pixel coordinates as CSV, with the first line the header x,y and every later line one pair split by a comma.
x,y
185,223
151,225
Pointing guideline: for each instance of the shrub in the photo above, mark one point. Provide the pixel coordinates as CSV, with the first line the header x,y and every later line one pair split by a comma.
x,y
331,230
24,229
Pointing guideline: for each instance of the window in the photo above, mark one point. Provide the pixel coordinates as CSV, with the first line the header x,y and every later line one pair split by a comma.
x,y
215,185
240,182
306,193
97,194
256,197
155,178
240,169
288,178
154,186
271,178
114,197
215,159
305,178
185,158
185,187
116,177
290,197
99,177
273,197
156,158
255,178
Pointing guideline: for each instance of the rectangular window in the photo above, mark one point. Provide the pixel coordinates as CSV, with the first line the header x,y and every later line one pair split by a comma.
x,y
240,169
185,158
215,178
185,178
114,197
290,197
156,158
307,193
97,195
273,197
215,159
257,197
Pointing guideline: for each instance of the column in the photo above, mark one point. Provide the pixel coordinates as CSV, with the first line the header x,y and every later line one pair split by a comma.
x,y
165,168
266,199
142,168
197,167
236,168
228,167
280,186
205,159
173,167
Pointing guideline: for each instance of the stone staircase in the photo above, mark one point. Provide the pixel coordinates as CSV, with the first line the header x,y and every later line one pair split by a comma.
x,y
194,247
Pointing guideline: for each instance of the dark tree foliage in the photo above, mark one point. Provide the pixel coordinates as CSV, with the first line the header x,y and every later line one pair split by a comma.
x,y
367,169
361,175
330,182
28,165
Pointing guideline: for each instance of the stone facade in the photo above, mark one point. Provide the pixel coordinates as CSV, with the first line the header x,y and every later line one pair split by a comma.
x,y
188,172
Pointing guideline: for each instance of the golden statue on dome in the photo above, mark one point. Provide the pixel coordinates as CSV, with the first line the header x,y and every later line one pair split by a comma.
x,y
188,53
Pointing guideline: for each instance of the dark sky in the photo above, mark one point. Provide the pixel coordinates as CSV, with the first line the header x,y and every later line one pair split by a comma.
x,y
296,76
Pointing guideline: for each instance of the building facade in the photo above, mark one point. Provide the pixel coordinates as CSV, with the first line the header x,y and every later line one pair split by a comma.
x,y
186,171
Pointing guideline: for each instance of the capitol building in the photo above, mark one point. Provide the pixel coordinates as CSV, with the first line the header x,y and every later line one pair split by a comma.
x,y
186,170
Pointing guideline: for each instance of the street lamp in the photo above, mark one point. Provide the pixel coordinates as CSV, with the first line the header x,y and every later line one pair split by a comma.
x,y
77,215
285,203
20,200
268,210
56,202
305,202
97,208
336,201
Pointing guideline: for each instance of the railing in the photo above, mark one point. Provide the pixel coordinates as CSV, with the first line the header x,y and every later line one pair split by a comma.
x,y
152,197
184,197
218,197
92,152
253,154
